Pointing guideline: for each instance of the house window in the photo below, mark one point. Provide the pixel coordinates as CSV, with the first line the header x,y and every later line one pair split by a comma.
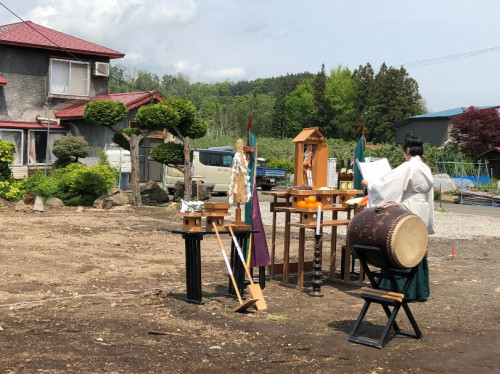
x,y
16,137
40,150
69,77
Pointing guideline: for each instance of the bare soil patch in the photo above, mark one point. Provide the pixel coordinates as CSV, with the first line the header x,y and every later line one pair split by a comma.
x,y
103,292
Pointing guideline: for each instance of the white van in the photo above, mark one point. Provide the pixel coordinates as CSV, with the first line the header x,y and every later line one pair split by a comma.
x,y
211,166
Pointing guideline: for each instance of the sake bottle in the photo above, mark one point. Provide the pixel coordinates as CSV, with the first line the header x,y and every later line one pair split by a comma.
x,y
343,171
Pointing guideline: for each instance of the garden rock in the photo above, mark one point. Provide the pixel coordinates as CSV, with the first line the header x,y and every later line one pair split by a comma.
x,y
22,207
38,205
109,201
30,203
54,202
153,194
30,198
203,192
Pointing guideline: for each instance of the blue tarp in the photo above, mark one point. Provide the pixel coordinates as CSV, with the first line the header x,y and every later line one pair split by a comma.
x,y
462,181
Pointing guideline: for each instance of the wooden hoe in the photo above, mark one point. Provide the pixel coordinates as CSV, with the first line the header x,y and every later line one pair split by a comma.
x,y
254,289
243,306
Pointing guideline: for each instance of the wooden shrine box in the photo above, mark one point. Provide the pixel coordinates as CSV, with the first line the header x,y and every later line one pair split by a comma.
x,y
218,218
327,197
300,195
190,221
308,216
216,207
310,138
215,212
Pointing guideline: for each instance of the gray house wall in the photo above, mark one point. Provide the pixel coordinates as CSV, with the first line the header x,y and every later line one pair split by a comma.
x,y
25,71
433,131
25,96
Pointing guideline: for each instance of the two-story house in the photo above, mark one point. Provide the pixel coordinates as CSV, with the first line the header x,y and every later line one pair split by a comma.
x,y
46,79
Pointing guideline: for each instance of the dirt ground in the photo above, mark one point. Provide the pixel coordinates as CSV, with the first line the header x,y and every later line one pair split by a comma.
x,y
104,292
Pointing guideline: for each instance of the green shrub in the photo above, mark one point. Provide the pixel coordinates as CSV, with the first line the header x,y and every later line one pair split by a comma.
x,y
69,149
7,150
168,153
11,189
197,129
43,186
488,187
81,185
76,184
283,164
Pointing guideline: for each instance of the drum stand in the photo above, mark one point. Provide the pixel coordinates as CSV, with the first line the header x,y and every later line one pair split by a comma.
x,y
383,297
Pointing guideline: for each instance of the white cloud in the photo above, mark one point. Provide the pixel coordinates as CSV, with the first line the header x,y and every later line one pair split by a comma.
x,y
225,74
106,21
186,67
198,71
133,59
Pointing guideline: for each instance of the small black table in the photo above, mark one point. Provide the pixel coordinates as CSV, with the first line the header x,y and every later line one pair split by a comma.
x,y
192,246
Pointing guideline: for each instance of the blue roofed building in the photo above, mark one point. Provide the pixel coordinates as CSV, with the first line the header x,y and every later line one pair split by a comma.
x,y
433,128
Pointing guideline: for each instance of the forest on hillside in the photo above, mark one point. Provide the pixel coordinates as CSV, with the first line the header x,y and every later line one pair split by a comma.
x,y
336,101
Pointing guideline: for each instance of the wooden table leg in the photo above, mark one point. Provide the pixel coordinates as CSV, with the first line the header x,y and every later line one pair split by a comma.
x,y
333,247
286,247
273,242
347,265
300,265
192,245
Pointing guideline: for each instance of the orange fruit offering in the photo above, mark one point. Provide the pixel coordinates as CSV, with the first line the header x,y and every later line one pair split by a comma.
x,y
310,199
317,204
301,204
311,205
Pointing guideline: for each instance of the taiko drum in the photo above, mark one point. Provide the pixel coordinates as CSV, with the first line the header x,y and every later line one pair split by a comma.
x,y
400,235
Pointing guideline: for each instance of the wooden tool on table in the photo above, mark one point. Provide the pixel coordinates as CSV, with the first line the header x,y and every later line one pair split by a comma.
x,y
243,306
254,289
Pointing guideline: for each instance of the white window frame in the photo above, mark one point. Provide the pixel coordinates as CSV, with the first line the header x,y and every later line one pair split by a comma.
x,y
65,88
52,157
19,150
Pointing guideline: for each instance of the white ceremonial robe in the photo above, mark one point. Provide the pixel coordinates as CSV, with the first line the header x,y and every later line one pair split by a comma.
x,y
410,185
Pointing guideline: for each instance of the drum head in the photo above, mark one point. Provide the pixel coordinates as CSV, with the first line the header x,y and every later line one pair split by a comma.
x,y
409,241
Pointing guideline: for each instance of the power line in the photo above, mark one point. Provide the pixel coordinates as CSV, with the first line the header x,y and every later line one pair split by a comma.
x,y
437,60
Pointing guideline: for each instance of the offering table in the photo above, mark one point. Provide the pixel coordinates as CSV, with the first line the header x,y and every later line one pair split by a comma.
x,y
286,202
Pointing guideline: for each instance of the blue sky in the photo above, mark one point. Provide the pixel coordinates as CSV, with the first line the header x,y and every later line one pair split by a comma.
x,y
217,40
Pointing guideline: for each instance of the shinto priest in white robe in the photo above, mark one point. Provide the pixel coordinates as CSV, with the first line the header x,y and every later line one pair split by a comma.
x,y
410,185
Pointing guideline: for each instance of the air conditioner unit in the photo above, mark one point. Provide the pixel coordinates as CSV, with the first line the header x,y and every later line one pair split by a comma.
x,y
101,69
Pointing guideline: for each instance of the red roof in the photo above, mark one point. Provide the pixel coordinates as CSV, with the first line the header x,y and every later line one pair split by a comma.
x,y
3,82
130,99
31,35
30,125
493,149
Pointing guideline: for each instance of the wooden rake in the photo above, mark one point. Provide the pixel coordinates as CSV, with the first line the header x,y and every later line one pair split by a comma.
x,y
243,305
254,289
